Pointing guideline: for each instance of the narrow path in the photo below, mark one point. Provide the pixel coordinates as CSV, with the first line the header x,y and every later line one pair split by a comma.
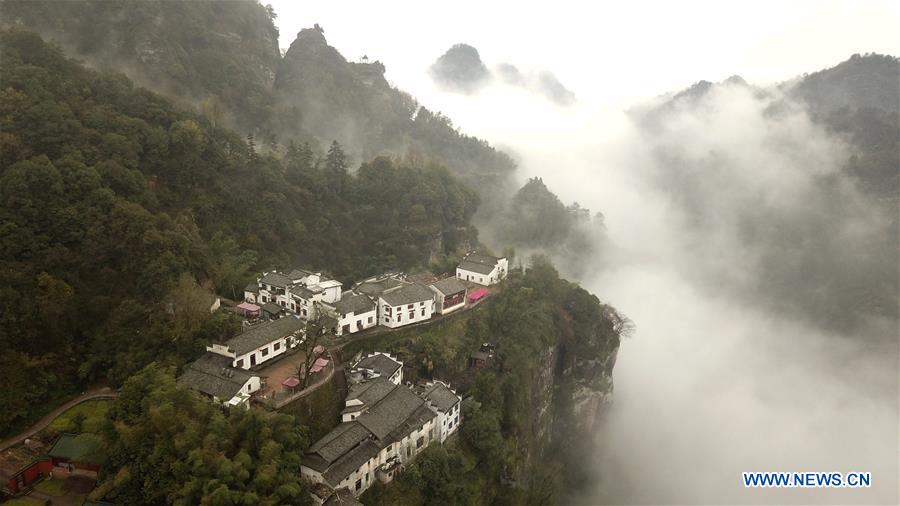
x,y
97,393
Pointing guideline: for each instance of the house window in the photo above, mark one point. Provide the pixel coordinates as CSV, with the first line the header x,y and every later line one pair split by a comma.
x,y
412,314
248,388
276,347
264,352
387,319
409,306
422,303
408,451
423,311
370,319
239,364
399,317
358,484
420,442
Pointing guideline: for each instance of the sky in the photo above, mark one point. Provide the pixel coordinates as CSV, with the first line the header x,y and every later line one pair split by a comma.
x,y
715,380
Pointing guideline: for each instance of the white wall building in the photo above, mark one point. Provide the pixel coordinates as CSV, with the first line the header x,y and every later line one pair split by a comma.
x,y
261,342
449,295
482,269
354,312
446,403
405,304
297,291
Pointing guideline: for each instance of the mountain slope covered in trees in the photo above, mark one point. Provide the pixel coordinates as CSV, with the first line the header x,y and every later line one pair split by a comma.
x,y
114,203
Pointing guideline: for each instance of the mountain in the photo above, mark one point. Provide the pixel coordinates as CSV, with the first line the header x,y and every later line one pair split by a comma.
x,y
810,192
219,56
460,68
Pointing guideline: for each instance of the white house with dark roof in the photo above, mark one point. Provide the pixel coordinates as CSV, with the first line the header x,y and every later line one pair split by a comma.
x,y
354,312
377,365
297,291
384,426
405,304
449,295
446,403
261,342
392,432
214,376
482,269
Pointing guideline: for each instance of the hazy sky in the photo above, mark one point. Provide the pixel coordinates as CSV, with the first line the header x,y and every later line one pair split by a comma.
x,y
607,51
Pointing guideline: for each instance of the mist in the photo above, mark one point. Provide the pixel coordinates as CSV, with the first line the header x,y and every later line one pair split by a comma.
x,y
730,233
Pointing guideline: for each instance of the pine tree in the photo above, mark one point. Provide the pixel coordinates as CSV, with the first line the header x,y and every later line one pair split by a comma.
x,y
336,169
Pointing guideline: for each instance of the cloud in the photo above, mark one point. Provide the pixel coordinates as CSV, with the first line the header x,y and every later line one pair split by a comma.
x,y
741,262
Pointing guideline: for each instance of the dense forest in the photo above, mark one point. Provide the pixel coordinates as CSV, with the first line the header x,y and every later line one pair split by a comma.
x,y
115,205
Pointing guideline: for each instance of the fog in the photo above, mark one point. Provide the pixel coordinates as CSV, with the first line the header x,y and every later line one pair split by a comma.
x,y
733,365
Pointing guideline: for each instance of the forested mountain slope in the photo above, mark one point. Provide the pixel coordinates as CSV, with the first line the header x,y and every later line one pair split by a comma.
x,y
113,201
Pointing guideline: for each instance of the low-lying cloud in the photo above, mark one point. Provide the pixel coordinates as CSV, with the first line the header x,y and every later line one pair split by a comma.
x,y
750,265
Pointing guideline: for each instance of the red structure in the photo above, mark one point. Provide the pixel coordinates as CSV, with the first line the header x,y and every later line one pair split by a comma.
x,y
28,475
478,294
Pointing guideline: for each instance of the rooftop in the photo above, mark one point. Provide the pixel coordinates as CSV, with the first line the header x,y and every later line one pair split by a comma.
x,y
264,334
213,375
381,363
276,278
441,396
78,448
377,286
407,294
478,267
353,303
482,259
449,286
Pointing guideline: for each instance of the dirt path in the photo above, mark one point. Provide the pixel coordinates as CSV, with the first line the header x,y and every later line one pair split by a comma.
x,y
97,393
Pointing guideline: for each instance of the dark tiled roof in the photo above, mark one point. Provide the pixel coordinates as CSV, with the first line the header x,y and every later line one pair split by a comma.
x,y
206,375
391,412
482,259
371,392
298,273
449,286
376,287
380,363
441,396
355,304
252,287
350,462
302,292
407,294
339,441
476,267
276,278
264,334
272,308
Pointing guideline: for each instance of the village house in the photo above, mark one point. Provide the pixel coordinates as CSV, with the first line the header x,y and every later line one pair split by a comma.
x,y
298,291
214,376
450,295
405,304
376,365
261,342
482,269
354,312
444,401
385,425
